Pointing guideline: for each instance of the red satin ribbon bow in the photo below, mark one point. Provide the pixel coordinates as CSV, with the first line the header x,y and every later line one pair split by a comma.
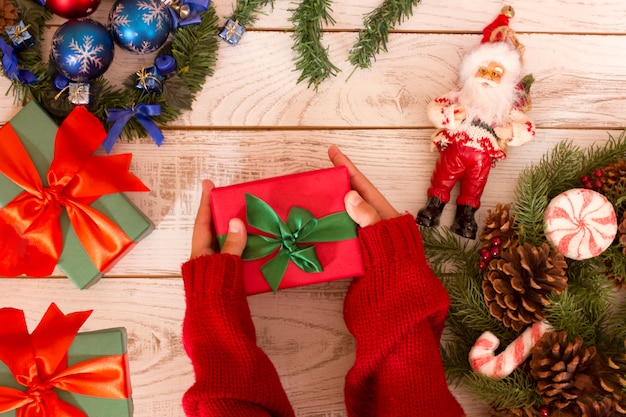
x,y
38,361
29,224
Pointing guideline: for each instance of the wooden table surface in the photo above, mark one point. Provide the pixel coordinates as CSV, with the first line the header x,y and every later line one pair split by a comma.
x,y
252,121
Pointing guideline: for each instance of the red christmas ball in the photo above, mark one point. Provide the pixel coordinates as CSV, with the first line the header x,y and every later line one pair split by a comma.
x,y
72,9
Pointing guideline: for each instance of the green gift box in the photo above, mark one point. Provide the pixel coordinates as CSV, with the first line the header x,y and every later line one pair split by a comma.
x,y
37,132
86,346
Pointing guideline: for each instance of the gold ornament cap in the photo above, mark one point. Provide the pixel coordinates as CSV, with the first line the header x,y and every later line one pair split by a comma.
x,y
508,11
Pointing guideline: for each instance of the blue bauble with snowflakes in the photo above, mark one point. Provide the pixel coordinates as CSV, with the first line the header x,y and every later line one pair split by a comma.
x,y
140,26
82,49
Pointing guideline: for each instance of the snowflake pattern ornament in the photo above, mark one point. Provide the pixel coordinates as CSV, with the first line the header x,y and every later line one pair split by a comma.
x,y
192,45
140,26
82,49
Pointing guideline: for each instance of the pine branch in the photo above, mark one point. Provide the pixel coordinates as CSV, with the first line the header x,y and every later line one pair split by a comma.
x,y
555,173
246,10
565,313
515,391
454,355
311,57
445,250
374,36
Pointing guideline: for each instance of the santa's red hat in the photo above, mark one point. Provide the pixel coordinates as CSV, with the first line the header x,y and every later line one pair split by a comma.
x,y
498,44
493,32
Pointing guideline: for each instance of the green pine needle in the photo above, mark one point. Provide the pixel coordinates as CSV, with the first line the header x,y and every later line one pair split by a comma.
x,y
374,36
555,173
246,11
311,56
515,391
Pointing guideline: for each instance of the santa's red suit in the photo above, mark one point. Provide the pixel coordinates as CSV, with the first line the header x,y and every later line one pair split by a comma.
x,y
468,150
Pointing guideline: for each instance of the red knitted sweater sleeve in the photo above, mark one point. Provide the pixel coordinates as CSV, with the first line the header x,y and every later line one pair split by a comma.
x,y
396,313
234,377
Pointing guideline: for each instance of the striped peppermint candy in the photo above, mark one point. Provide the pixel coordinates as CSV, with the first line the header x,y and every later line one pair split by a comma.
x,y
581,223
483,360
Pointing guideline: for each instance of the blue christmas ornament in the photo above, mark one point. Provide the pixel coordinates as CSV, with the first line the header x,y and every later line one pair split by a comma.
x,y
82,49
140,26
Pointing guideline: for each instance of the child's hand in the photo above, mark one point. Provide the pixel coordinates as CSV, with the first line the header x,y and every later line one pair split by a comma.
x,y
364,204
203,240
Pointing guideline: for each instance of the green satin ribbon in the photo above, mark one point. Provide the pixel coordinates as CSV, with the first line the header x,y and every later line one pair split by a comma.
x,y
290,238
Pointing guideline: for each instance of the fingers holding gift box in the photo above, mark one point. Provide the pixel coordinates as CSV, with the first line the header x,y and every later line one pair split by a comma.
x,y
57,371
298,230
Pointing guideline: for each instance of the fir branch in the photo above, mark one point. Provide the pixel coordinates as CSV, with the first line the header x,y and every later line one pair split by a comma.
x,y
612,263
454,355
445,250
245,13
374,36
311,57
515,391
566,313
596,156
538,184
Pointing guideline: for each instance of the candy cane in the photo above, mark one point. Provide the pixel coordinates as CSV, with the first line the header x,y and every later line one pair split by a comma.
x,y
483,360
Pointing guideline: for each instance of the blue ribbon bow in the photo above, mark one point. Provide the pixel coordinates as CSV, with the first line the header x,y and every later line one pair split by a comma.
x,y
143,113
195,8
9,61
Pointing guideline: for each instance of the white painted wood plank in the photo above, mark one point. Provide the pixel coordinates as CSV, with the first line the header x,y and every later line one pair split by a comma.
x,y
580,82
399,162
459,16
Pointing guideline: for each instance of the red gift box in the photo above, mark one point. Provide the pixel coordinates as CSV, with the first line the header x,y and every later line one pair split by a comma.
x,y
318,194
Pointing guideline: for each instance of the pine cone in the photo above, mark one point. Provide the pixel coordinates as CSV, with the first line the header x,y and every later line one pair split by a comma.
x,y
613,381
516,286
8,14
621,233
513,412
596,408
567,374
614,179
499,223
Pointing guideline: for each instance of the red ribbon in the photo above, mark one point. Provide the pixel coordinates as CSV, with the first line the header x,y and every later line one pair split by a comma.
x,y
29,224
38,361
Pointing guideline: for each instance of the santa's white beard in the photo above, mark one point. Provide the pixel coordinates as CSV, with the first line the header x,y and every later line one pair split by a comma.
x,y
490,103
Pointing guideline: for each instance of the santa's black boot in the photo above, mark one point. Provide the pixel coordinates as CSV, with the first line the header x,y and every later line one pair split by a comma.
x,y
464,223
429,215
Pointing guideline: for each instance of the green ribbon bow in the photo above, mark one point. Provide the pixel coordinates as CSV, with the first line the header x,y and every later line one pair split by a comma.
x,y
290,238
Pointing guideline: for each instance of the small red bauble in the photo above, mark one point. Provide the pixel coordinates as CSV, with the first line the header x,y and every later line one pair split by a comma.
x,y
597,184
495,251
598,173
496,241
72,9
544,411
585,178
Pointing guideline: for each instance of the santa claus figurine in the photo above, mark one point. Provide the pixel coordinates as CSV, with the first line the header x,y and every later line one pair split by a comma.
x,y
476,123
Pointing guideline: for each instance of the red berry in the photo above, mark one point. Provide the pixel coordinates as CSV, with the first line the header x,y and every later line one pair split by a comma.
x,y
598,173
495,251
585,178
544,411
597,184
588,185
485,254
496,241
482,264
